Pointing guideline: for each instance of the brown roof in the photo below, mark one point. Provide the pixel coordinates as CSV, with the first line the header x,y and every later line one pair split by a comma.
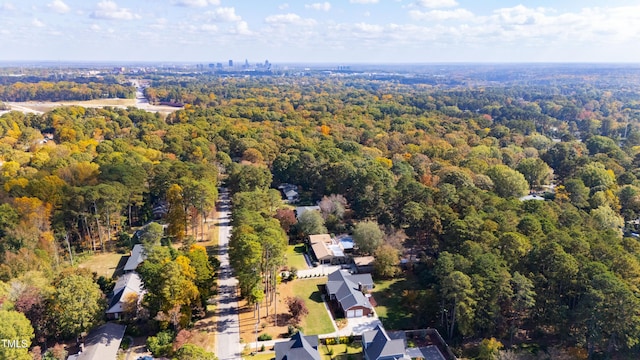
x,y
364,260
318,244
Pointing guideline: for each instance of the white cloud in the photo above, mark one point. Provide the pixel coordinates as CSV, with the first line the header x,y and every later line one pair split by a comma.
x,y
37,23
435,4
209,28
325,6
290,18
7,6
95,27
283,6
363,1
439,15
242,28
59,6
109,10
195,3
223,15
366,14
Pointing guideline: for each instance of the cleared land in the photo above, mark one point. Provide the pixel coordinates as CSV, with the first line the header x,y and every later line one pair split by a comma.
x,y
39,107
317,322
104,264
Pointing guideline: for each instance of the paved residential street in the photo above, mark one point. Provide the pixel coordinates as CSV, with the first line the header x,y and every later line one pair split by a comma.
x,y
228,324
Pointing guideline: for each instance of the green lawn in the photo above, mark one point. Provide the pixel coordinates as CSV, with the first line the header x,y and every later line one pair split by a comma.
x,y
341,352
105,264
295,256
403,304
318,320
261,356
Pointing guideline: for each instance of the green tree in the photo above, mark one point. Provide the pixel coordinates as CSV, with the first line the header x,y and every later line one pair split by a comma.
x,y
489,349
578,193
151,235
77,305
386,263
458,292
176,215
508,182
536,171
368,236
311,223
15,328
193,352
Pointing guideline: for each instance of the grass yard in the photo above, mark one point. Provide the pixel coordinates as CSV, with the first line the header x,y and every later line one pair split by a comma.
x,y
295,256
340,352
104,264
318,320
261,356
402,304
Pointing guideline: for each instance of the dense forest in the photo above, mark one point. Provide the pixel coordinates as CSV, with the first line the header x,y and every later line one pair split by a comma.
x,y
39,90
441,170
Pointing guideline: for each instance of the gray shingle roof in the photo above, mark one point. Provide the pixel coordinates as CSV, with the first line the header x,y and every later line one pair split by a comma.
x,y
300,347
341,284
378,345
129,283
103,343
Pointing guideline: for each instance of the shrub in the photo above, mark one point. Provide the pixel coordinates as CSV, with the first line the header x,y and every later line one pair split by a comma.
x,y
161,345
264,337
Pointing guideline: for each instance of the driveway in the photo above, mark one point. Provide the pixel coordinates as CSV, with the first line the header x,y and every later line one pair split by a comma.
x,y
228,323
320,270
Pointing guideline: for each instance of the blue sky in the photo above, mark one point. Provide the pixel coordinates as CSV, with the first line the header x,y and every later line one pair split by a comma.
x,y
337,31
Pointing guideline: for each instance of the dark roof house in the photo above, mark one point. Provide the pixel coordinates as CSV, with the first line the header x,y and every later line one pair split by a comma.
x,y
300,347
129,283
347,289
376,345
102,343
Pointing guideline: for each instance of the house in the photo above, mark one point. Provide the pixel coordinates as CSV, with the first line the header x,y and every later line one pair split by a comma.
x,y
377,345
138,255
102,343
129,283
348,290
300,347
303,209
290,192
364,264
327,250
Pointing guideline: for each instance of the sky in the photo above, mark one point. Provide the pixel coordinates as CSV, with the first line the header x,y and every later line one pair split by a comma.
x,y
317,31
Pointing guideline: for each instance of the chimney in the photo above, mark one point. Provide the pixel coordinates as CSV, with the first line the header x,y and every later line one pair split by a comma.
x,y
359,286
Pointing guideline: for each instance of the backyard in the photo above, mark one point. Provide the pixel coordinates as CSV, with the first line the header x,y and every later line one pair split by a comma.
x,y
317,322
402,304
295,256
105,264
327,352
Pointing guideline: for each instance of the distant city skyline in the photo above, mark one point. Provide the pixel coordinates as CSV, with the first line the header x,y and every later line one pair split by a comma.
x,y
316,31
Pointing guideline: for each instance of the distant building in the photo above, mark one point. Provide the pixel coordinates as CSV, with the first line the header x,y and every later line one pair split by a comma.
x,y
300,347
230,63
347,290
